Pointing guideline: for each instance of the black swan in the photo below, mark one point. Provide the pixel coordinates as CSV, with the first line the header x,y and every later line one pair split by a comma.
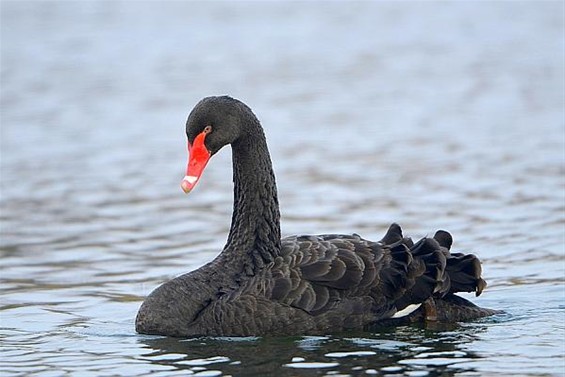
x,y
262,284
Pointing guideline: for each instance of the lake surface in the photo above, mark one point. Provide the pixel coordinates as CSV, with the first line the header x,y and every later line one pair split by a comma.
x,y
436,115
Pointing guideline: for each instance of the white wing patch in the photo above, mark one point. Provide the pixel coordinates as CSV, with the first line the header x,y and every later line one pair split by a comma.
x,y
406,311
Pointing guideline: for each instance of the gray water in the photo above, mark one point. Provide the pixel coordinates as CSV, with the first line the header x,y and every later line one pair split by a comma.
x,y
431,114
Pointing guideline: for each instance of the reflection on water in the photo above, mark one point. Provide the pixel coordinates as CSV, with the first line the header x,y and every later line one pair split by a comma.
x,y
433,115
402,350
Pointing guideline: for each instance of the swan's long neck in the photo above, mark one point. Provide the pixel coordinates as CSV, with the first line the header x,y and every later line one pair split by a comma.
x,y
255,227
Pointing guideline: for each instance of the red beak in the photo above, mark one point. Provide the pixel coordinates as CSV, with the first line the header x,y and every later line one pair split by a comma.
x,y
198,158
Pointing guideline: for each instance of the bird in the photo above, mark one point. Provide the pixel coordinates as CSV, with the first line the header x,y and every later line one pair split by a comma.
x,y
262,284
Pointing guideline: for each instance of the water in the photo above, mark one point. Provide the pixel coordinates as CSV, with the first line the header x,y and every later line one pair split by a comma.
x,y
434,115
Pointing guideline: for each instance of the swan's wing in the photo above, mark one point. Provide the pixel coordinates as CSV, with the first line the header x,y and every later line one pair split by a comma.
x,y
317,273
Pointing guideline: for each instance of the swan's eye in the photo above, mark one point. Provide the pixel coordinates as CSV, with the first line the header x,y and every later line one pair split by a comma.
x,y
207,129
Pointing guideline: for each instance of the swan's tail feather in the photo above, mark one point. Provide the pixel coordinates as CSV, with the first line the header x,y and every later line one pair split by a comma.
x,y
464,270
432,271
444,239
465,273
427,271
393,235
416,272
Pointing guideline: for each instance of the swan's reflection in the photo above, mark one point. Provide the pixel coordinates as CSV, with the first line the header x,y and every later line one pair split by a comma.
x,y
437,351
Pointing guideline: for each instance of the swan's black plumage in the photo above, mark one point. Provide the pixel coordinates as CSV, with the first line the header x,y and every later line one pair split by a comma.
x,y
261,284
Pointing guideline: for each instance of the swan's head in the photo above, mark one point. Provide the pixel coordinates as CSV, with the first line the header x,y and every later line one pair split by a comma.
x,y
213,123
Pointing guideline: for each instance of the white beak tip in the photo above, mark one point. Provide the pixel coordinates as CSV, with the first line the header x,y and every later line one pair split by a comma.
x,y
190,179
